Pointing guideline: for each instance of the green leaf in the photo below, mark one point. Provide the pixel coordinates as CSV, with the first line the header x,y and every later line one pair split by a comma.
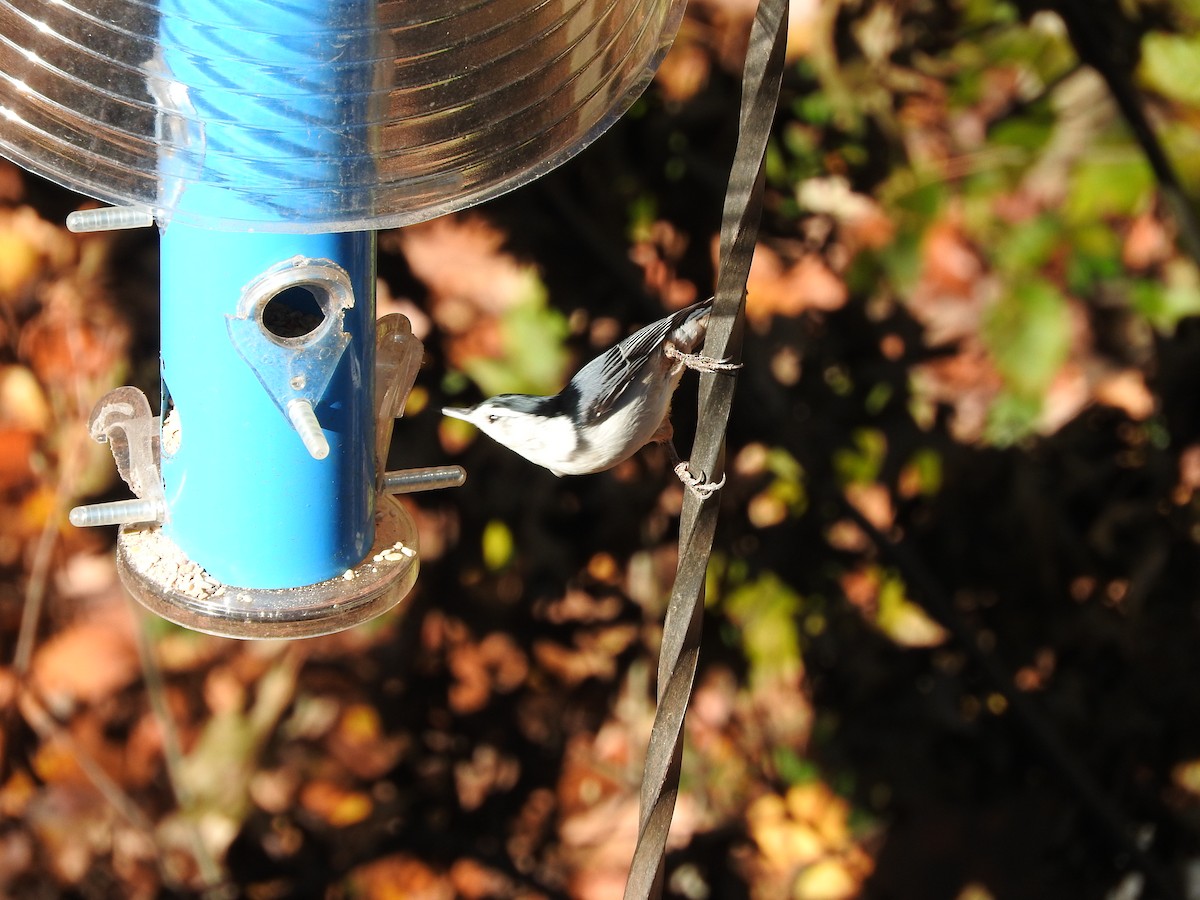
x,y
1029,335
902,620
1114,181
498,545
1011,418
1095,256
926,466
794,768
861,463
1170,65
534,356
1164,304
1029,246
1028,132
765,613
788,486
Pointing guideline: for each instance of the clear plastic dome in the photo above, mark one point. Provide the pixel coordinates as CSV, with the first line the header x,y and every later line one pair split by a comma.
x,y
315,115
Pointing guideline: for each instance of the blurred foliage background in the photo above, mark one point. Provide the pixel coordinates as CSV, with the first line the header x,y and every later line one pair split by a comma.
x,y
950,648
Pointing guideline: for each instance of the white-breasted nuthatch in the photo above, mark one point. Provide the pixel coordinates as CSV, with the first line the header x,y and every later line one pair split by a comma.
x,y
614,406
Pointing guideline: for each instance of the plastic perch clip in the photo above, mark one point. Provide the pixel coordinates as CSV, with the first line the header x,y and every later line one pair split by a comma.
x,y
304,420
109,218
122,420
410,481
398,354
117,512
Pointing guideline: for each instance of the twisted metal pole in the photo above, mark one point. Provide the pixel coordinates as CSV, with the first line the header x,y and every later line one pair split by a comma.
x,y
683,624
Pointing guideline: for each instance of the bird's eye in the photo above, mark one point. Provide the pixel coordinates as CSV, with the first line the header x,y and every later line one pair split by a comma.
x,y
493,418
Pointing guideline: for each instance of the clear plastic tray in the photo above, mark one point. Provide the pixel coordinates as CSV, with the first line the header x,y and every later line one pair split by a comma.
x,y
363,114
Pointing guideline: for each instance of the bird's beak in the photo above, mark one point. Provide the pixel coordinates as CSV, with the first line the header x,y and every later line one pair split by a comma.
x,y
456,413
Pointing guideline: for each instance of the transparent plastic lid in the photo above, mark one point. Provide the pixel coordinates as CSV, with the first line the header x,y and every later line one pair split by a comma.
x,y
315,115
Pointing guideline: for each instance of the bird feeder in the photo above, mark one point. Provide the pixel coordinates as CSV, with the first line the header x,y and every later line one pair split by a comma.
x,y
268,140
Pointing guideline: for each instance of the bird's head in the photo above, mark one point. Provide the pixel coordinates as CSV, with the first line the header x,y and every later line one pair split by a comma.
x,y
517,421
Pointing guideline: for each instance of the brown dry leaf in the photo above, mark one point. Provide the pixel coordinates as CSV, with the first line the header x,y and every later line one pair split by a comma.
x,y
334,804
860,587
187,651
87,661
224,692
495,663
17,447
399,877
950,264
61,342
23,403
874,501
1189,473
951,294
23,240
828,879
658,252
820,807
143,751
967,381
778,289
474,881
359,743
882,602
1126,390
56,762
922,118
472,281
12,183
684,72
583,782
1147,243
1064,399
16,858
16,793
274,790
73,824
862,223
783,843
766,510
487,772
803,28
805,844
594,656
598,844
581,606
461,259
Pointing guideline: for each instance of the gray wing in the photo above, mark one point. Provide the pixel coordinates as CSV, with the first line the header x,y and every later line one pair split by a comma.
x,y
620,366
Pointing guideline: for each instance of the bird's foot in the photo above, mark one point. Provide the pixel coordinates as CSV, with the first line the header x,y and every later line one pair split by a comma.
x,y
697,484
701,363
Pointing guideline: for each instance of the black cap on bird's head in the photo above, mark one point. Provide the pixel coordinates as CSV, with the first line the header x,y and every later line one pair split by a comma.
x,y
501,404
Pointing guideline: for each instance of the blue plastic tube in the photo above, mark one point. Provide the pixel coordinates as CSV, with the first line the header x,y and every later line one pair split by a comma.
x,y
245,499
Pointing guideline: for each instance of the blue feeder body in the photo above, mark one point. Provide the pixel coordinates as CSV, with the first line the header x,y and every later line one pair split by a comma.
x,y
245,498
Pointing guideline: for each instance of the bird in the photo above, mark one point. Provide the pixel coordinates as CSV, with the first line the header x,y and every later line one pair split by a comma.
x,y
615,405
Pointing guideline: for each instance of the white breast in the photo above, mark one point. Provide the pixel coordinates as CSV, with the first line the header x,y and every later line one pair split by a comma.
x,y
611,441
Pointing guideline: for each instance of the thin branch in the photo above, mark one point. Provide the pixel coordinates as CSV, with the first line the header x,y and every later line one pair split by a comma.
x,y
212,873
